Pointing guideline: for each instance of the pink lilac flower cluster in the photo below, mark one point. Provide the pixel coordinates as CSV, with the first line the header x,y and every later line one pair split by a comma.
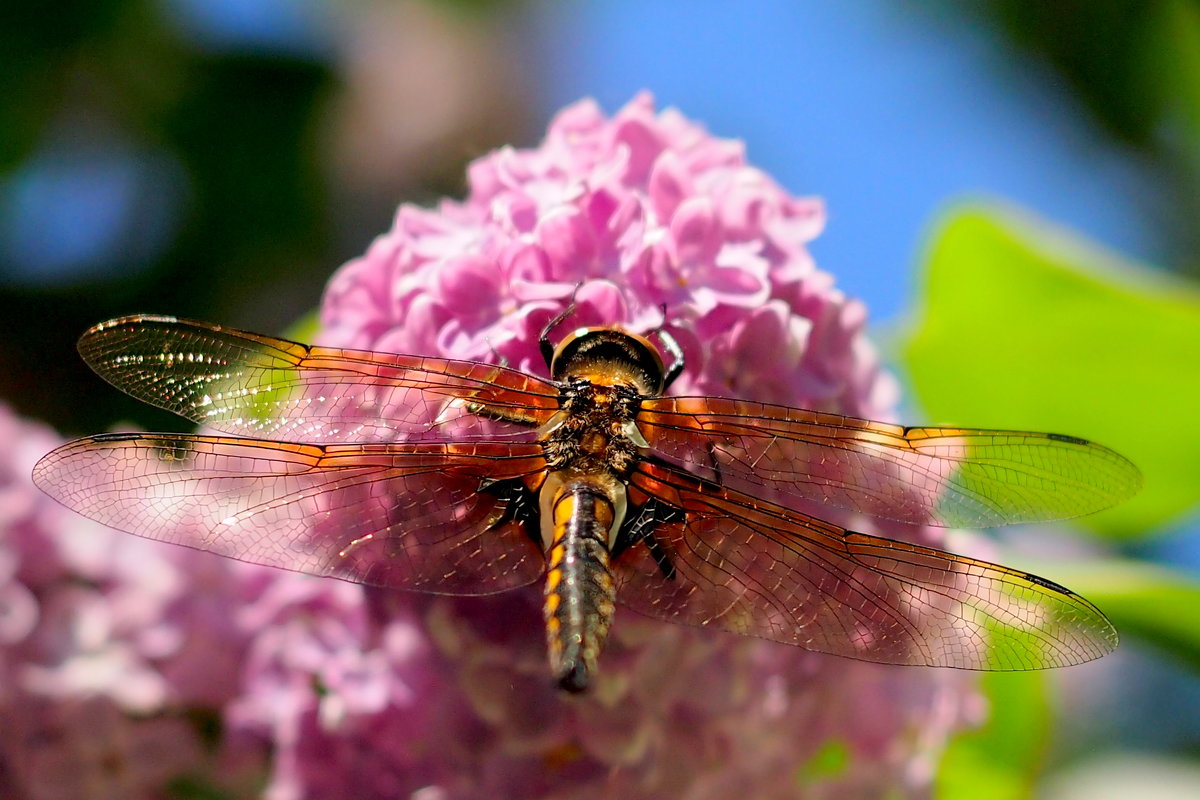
x,y
87,641
109,648
629,215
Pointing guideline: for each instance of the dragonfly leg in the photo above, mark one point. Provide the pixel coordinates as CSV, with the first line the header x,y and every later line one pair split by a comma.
x,y
640,527
544,343
517,504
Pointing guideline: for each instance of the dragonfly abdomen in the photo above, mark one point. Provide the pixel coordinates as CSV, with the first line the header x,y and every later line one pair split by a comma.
x,y
580,593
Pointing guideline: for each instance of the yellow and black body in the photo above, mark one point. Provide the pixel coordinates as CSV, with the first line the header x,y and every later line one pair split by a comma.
x,y
591,444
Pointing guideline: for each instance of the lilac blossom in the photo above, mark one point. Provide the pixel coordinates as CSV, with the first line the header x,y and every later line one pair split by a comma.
x,y
628,215
109,644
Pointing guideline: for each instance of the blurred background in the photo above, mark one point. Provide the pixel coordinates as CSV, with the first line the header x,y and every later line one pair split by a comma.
x,y
1013,189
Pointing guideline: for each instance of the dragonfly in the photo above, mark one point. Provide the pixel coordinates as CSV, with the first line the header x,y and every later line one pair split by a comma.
x,y
466,478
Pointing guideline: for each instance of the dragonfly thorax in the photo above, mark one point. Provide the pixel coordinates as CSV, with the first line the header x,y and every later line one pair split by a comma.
x,y
595,430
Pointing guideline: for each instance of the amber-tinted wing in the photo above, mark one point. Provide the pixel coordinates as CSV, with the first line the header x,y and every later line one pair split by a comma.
x,y
763,570
252,385
938,476
404,515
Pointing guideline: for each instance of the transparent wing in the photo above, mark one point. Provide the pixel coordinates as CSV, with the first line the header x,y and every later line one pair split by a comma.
x,y
937,476
252,385
762,570
409,515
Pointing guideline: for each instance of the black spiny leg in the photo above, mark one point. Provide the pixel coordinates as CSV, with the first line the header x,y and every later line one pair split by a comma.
x,y
640,527
544,338
675,368
518,504
500,414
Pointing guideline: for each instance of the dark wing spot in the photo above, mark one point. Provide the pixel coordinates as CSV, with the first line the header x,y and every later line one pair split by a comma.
x,y
115,437
1048,584
1059,437
173,450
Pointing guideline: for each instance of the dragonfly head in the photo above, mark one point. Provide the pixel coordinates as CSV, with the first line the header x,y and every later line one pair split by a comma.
x,y
609,356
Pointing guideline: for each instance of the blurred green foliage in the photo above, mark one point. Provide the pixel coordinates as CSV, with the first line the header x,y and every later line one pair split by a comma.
x,y
1021,326
830,761
1135,64
1155,604
1000,760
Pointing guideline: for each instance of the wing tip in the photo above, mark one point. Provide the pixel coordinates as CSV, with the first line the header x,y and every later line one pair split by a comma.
x,y
47,473
42,471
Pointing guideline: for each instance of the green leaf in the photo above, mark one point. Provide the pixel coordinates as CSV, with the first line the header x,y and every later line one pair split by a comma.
x,y
305,329
1145,601
1001,760
1169,75
830,761
1024,326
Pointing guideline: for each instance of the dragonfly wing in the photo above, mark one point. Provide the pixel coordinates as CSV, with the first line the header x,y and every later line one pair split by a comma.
x,y
757,569
248,384
807,460
408,516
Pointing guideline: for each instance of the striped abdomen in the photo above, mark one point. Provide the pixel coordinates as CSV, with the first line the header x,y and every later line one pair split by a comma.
x,y
579,585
